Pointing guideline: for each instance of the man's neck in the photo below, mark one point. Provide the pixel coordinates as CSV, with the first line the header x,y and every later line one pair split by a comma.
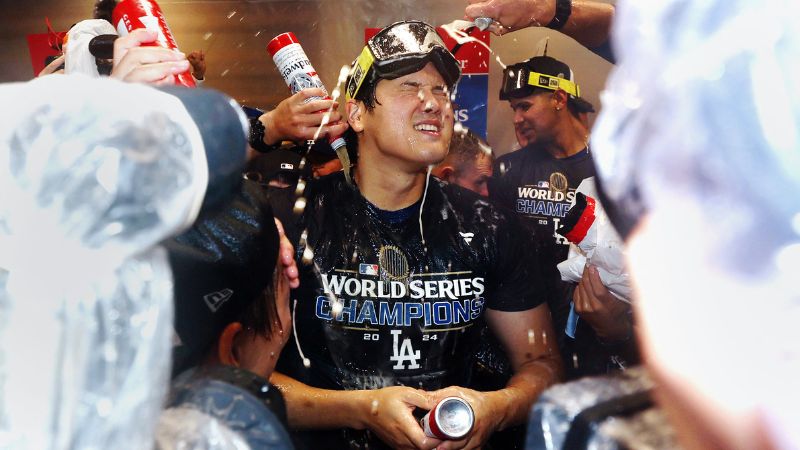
x,y
386,184
571,139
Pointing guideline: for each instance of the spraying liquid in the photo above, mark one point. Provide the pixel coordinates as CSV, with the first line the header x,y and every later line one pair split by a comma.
x,y
130,15
299,74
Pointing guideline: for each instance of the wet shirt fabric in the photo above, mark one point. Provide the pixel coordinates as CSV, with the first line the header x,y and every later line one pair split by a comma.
x,y
540,188
223,407
378,307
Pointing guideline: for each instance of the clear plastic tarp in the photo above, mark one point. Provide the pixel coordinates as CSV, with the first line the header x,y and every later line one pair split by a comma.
x,y
93,174
700,128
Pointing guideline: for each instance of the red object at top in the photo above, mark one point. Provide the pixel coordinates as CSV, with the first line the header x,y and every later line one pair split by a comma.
x,y
585,222
473,57
280,41
130,15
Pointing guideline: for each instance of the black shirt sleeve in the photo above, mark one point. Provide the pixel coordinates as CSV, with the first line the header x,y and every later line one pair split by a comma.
x,y
515,280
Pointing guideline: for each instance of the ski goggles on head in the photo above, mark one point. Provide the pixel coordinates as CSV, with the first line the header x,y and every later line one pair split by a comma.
x,y
400,49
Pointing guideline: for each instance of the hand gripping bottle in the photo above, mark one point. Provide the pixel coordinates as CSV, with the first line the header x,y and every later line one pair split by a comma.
x,y
129,15
299,74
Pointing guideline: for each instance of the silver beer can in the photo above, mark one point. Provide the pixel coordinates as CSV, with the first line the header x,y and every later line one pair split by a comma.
x,y
452,418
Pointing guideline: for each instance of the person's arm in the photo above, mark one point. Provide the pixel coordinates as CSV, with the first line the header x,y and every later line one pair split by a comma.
x,y
55,66
197,59
386,411
589,22
608,316
529,341
297,119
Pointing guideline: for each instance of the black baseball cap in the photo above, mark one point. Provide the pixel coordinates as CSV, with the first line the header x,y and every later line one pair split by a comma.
x,y
283,161
220,266
542,72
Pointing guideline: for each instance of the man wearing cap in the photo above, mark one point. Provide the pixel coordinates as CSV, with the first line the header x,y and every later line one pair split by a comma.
x,y
231,322
538,182
399,269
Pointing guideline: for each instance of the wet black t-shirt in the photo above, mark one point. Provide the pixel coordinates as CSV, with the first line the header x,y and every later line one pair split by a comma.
x,y
378,307
540,189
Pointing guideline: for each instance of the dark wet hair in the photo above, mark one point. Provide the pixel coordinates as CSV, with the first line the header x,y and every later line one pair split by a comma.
x,y
103,9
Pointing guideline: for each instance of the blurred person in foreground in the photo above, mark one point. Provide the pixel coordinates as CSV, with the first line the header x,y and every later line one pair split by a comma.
x,y
231,321
399,267
700,171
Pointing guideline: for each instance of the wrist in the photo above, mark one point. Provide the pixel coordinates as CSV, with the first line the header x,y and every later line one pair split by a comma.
x,y
500,405
363,406
270,135
257,139
562,11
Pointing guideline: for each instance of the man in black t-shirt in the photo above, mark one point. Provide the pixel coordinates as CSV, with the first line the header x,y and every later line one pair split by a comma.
x,y
398,270
538,183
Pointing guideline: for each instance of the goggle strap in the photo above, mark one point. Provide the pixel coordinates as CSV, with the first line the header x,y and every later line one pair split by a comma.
x,y
553,83
363,63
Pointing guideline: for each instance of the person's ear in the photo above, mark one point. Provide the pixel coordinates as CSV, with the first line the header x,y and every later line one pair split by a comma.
x,y
560,99
446,173
226,350
354,110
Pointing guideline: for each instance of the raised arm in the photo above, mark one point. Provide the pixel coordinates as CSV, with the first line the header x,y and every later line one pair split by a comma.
x,y
589,22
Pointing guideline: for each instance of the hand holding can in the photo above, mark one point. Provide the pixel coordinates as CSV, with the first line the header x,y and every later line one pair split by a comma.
x,y
451,419
130,15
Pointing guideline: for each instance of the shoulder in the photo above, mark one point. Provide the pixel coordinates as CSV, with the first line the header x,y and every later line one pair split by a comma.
x,y
471,206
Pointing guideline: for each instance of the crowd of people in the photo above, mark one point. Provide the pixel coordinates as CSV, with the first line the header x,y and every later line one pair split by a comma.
x,y
434,273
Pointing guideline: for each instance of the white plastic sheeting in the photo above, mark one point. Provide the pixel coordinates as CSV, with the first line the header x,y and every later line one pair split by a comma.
x,y
93,174
701,127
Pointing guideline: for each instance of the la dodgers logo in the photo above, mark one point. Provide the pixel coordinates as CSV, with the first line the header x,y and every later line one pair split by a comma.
x,y
403,353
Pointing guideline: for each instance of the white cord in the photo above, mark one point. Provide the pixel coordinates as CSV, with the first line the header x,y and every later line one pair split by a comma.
x,y
306,361
422,205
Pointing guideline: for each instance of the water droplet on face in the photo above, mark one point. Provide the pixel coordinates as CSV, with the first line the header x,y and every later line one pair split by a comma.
x,y
231,14
374,409
224,72
531,337
207,36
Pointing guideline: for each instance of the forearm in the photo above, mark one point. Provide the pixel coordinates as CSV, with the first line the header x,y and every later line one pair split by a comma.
x,y
310,407
512,403
589,23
